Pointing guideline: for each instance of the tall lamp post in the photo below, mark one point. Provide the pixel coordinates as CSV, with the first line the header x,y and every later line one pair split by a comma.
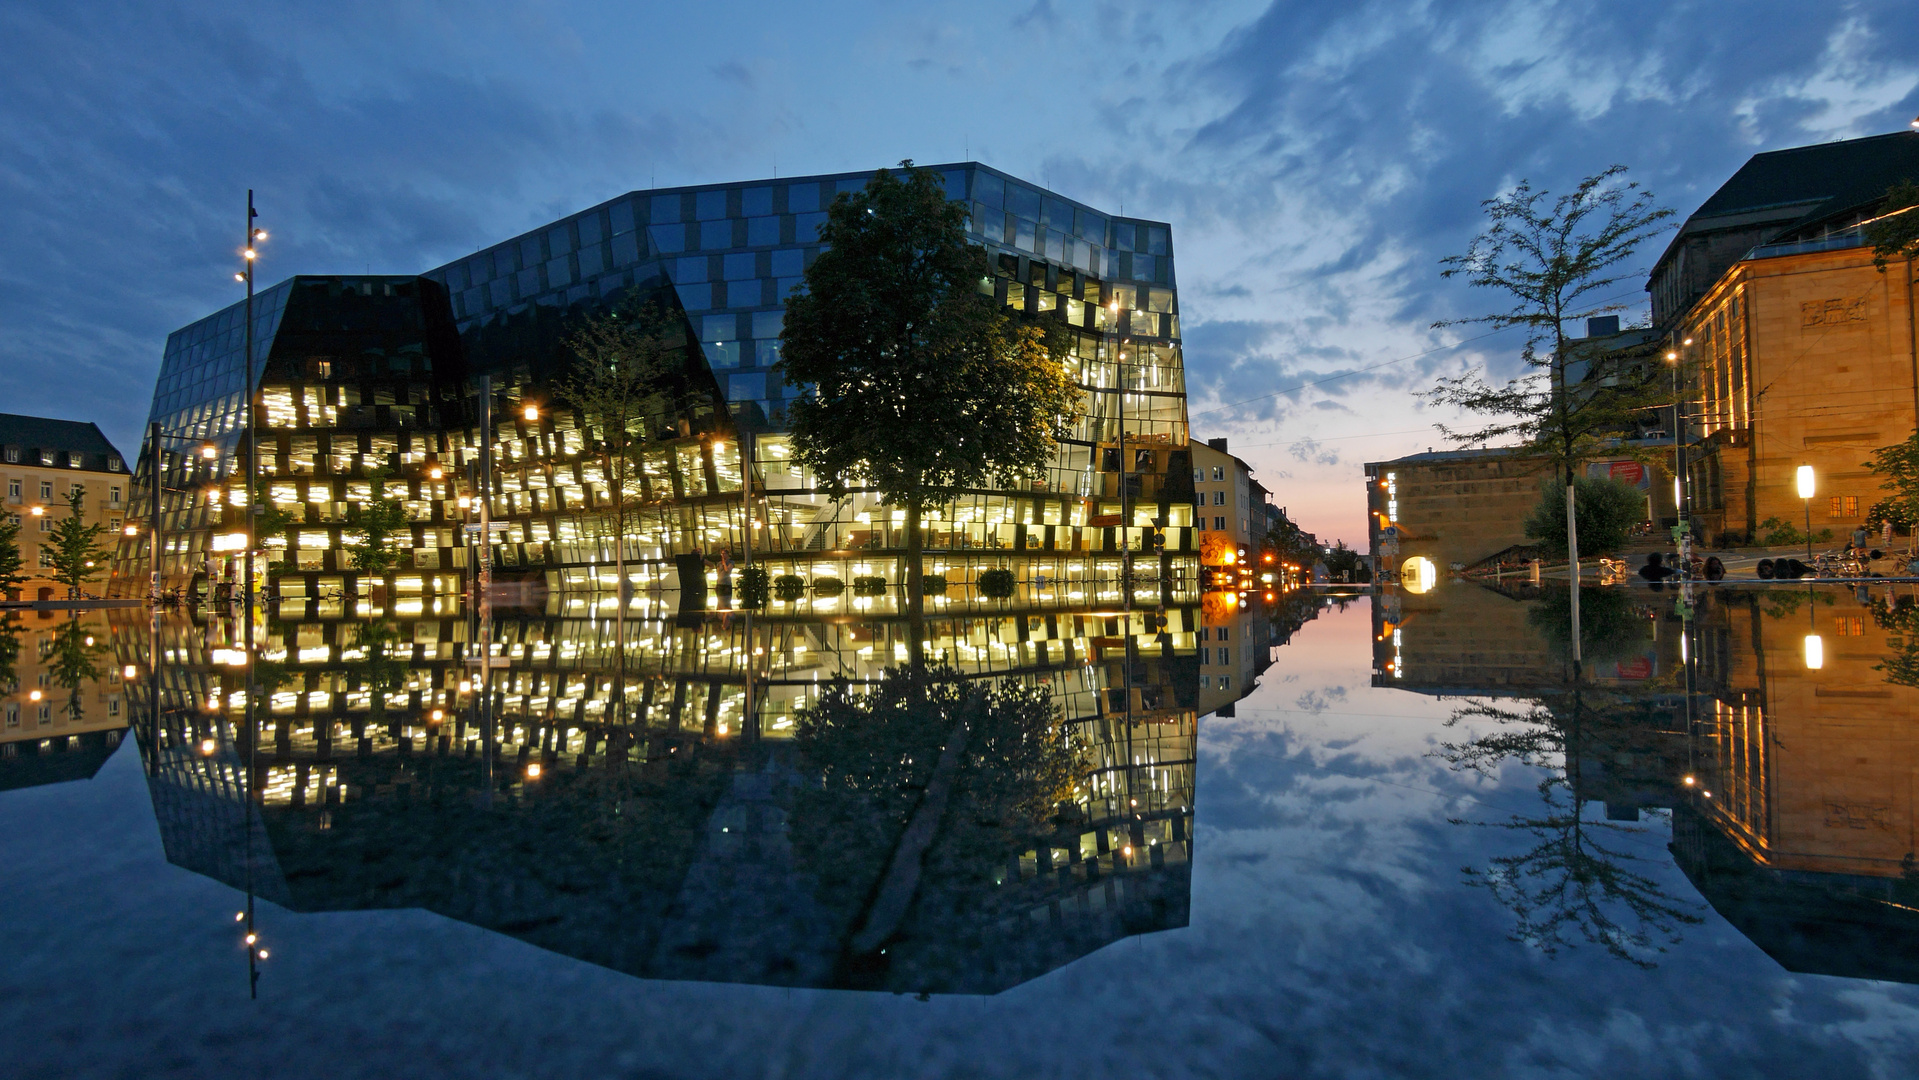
x,y
1805,492
1678,444
254,236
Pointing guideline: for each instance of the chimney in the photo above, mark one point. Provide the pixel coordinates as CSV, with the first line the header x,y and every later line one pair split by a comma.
x,y
1217,444
1602,326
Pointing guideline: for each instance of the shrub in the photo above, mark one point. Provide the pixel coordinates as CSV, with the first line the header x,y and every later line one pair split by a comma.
x,y
1780,533
869,586
933,584
1608,510
753,587
789,587
997,584
828,586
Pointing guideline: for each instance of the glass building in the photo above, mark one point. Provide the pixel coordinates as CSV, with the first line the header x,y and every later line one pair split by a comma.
x,y
369,689
359,372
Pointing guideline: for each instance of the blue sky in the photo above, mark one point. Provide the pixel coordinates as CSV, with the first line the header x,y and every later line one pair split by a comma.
x,y
1316,160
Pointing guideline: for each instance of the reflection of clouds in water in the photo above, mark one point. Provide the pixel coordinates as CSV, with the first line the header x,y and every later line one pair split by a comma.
x,y
1329,937
1318,701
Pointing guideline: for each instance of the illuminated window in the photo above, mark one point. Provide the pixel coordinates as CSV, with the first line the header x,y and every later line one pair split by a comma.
x,y
1844,506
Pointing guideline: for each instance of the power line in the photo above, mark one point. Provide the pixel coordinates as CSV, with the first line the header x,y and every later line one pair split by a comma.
x,y
1350,374
1375,367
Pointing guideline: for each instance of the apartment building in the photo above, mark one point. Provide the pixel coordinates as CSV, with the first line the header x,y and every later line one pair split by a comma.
x,y
41,461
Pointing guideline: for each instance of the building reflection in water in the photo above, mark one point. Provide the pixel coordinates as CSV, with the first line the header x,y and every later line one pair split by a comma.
x,y
639,793
1776,725
62,703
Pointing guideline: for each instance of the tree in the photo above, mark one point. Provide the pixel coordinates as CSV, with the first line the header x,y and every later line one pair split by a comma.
x,y
1286,540
377,523
75,545
1894,234
615,386
918,383
1345,564
1897,467
1556,264
1607,512
10,561
269,520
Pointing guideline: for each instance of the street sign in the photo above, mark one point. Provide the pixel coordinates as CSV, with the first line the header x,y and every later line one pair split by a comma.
x,y
492,661
473,527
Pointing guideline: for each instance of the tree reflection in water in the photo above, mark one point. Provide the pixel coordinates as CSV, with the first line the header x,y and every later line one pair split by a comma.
x,y
74,662
1578,879
930,786
1899,614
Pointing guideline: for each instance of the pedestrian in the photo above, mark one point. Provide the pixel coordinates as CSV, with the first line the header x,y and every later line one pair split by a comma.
x,y
726,578
1860,538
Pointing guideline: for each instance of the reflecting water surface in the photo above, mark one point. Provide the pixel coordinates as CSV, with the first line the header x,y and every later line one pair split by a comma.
x,y
1329,834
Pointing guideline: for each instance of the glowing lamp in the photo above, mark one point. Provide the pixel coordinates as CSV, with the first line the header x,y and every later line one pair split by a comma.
x,y
1805,482
1419,574
531,412
1815,652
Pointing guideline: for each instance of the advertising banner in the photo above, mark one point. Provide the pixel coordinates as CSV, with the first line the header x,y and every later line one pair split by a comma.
x,y
1626,472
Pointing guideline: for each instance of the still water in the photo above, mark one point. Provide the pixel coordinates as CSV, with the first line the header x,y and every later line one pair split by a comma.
x,y
1346,836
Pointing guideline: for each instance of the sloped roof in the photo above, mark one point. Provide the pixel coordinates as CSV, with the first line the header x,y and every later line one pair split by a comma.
x,y
1835,175
40,433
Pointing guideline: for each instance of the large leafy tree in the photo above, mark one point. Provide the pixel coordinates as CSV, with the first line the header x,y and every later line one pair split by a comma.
x,y
918,383
1556,261
75,549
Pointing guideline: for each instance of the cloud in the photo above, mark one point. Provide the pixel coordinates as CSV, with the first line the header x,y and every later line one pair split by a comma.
x,y
1311,452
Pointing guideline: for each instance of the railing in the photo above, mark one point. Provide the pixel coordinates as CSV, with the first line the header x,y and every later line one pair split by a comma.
x,y
1836,242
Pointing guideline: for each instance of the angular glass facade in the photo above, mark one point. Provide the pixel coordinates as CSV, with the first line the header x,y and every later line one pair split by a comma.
x,y
357,373
369,679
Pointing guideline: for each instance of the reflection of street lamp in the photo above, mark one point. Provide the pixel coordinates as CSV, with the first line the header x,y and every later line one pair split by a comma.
x,y
1805,492
1815,652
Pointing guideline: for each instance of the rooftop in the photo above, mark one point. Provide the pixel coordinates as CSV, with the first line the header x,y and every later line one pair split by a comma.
x,y
40,440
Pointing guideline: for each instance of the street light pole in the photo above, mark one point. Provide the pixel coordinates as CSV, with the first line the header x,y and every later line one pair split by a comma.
x,y
1805,492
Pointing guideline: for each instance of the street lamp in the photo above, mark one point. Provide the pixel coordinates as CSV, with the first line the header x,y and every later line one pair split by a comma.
x,y
1805,492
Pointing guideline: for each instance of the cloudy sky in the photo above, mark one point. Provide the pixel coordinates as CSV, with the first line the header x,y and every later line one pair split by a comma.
x,y
1316,160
